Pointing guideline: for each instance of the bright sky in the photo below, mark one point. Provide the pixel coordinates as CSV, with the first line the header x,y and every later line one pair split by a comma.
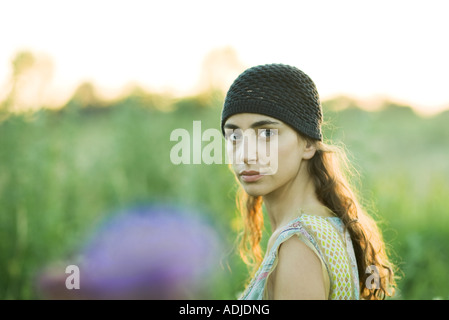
x,y
365,49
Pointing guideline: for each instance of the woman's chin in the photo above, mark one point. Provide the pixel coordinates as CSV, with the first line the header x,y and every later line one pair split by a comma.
x,y
254,190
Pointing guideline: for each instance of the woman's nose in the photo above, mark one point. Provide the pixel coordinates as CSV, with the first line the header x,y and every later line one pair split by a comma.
x,y
249,149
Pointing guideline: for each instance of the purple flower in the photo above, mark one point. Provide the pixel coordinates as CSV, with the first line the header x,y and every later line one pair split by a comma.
x,y
152,252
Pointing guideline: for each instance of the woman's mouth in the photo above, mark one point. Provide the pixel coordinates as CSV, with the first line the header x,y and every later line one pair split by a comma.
x,y
250,175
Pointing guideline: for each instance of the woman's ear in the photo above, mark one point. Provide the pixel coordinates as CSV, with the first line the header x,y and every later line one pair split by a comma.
x,y
309,150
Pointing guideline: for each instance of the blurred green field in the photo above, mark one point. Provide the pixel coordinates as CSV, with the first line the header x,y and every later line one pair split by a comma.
x,y
61,172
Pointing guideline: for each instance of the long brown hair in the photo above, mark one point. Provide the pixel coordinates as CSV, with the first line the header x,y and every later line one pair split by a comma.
x,y
330,170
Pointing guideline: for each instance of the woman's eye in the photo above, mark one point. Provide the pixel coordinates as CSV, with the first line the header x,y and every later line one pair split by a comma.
x,y
267,133
233,137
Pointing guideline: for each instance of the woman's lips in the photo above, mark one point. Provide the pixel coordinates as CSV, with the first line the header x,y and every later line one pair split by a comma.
x,y
250,175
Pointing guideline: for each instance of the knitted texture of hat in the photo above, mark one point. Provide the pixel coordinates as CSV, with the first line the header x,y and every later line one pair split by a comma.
x,y
280,91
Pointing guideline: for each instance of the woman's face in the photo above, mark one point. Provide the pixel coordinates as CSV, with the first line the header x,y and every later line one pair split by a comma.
x,y
265,153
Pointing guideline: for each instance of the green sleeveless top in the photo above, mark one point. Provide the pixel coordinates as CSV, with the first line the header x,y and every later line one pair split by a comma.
x,y
333,246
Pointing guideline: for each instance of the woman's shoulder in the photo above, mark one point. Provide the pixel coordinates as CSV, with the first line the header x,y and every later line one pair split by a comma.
x,y
325,236
321,234
334,245
320,224
309,228
317,226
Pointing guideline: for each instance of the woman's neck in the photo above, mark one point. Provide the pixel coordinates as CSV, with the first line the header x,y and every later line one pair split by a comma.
x,y
284,204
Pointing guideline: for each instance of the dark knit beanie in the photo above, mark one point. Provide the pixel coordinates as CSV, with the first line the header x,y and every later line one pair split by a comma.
x,y
279,91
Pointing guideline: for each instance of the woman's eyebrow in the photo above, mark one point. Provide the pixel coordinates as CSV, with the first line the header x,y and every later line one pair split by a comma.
x,y
254,125
230,126
263,123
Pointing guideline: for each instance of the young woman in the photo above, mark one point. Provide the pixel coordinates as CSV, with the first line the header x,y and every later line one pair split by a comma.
x,y
323,244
